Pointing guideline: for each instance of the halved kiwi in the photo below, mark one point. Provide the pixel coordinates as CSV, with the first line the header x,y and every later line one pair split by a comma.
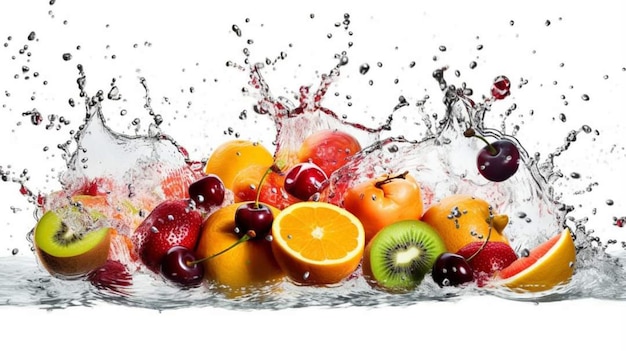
x,y
400,255
70,243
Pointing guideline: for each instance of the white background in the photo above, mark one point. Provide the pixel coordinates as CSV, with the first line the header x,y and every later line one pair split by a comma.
x,y
189,43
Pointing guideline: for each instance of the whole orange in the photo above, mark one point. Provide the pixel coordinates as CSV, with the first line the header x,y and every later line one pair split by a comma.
x,y
229,158
248,265
461,218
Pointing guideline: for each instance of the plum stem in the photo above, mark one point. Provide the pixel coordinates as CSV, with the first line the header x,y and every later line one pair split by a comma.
x,y
251,234
470,132
389,179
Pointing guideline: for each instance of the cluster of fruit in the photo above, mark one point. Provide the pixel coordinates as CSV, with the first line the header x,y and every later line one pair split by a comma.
x,y
249,221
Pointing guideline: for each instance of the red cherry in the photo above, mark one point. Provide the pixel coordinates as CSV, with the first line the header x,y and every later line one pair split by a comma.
x,y
497,161
181,267
452,270
500,165
501,88
207,192
254,219
305,180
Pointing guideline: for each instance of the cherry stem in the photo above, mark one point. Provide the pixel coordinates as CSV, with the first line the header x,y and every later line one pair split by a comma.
x,y
258,189
243,239
490,221
470,132
389,179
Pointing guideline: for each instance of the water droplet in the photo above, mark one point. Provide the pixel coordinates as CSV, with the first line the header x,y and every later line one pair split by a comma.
x,y
114,93
575,175
548,23
343,60
67,56
442,48
473,64
364,68
585,97
31,36
610,202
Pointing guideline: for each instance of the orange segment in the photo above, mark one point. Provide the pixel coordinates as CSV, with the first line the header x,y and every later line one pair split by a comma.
x,y
229,158
317,242
548,265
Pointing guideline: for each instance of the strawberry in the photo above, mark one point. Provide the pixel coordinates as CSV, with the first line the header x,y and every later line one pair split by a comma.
x,y
485,262
171,223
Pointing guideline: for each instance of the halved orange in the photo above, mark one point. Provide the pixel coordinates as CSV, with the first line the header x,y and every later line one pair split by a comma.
x,y
317,243
547,265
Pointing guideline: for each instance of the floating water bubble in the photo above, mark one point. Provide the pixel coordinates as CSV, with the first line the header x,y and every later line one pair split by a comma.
x,y
364,68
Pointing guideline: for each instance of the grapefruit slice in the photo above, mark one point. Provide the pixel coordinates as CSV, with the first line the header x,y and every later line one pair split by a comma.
x,y
547,265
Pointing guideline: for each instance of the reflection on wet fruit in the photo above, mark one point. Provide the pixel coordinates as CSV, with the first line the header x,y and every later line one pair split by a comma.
x,y
246,266
461,219
229,158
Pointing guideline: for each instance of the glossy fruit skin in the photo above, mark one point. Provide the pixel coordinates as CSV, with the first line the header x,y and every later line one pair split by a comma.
x,y
171,223
179,267
253,217
304,180
249,264
207,192
501,88
492,258
462,218
378,203
232,156
452,270
410,279
500,166
272,190
329,149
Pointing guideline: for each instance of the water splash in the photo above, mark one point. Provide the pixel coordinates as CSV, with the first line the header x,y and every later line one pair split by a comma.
x,y
429,147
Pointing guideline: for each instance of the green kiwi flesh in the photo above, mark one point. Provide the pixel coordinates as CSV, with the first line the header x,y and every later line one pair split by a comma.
x,y
70,252
400,255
